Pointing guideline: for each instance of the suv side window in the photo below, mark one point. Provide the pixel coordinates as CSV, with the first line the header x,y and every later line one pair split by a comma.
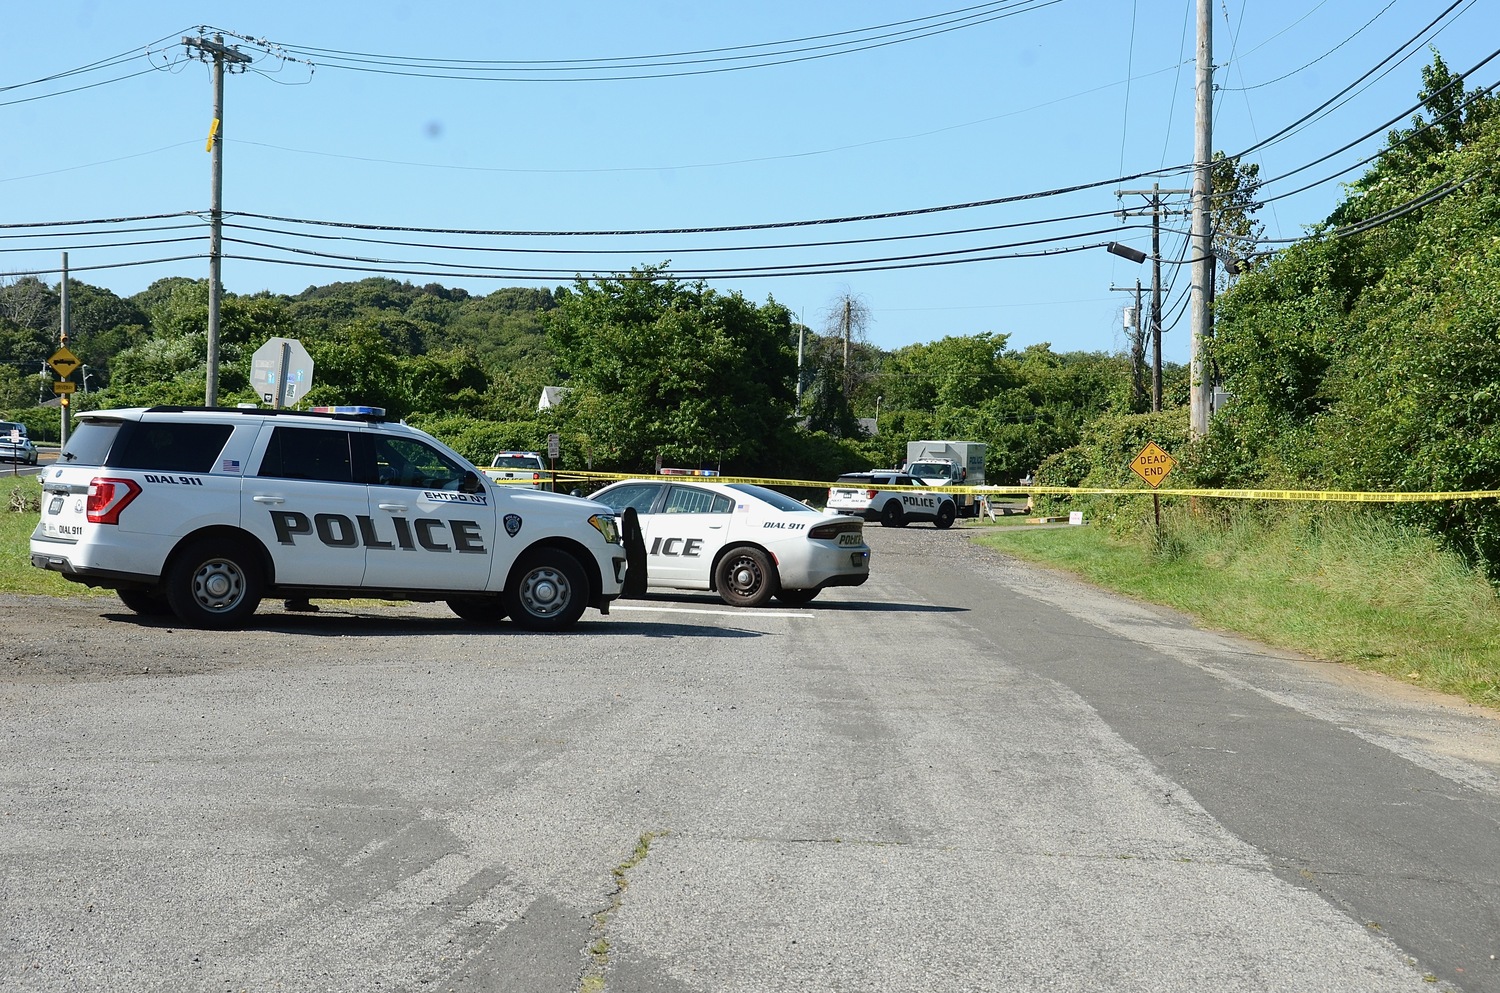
x,y
308,453
408,462
165,446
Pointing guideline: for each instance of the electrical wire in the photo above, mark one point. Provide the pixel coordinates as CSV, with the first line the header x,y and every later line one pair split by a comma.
x,y
1295,125
1320,58
466,69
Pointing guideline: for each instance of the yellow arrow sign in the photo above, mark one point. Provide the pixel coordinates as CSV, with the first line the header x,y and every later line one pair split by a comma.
x,y
64,362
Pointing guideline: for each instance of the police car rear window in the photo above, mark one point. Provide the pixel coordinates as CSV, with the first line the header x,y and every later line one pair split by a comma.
x,y
517,462
164,446
89,443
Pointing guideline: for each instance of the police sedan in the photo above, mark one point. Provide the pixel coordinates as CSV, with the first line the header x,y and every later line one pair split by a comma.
x,y
747,543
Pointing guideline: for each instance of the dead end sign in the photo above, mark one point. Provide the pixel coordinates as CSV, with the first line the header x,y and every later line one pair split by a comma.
x,y
1153,464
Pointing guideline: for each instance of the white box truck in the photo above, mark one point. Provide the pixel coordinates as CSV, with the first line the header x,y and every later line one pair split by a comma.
x,y
949,463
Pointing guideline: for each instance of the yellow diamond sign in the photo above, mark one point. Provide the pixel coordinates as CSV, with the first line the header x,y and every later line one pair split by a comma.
x,y
64,362
1153,464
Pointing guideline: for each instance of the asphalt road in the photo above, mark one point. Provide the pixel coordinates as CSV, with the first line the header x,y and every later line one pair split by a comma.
x,y
967,775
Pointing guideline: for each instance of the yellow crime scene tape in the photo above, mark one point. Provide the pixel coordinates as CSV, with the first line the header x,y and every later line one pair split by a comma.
x,y
572,476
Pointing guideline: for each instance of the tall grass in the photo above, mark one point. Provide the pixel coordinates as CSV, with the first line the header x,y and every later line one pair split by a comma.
x,y
1338,583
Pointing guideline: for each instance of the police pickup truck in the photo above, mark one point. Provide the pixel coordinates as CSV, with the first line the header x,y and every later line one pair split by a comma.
x,y
869,495
203,512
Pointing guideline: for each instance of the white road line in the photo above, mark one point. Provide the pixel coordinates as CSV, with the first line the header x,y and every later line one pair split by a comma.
x,y
722,613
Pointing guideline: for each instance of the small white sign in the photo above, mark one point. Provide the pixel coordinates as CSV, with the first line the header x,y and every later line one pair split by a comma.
x,y
1075,517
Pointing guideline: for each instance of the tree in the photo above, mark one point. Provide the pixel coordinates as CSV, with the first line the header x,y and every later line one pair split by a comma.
x,y
1236,234
658,367
844,322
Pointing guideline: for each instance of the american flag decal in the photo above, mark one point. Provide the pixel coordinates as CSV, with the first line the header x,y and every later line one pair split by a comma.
x,y
231,465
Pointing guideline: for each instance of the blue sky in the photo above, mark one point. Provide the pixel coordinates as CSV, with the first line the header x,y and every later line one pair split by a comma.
x,y
548,121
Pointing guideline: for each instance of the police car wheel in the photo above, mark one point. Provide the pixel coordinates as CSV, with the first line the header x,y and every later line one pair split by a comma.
x,y
745,578
478,609
945,516
212,584
147,603
547,591
797,596
892,516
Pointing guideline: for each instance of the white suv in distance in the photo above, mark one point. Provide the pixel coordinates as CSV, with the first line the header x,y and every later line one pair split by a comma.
x,y
203,512
868,495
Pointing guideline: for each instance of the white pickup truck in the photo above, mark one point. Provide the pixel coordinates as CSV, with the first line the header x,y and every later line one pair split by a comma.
x,y
508,466
869,495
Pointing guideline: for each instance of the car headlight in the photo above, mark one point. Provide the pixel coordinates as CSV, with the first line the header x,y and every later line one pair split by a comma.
x,y
605,524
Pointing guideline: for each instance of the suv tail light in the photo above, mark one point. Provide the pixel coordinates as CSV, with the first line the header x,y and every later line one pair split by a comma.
x,y
870,494
107,497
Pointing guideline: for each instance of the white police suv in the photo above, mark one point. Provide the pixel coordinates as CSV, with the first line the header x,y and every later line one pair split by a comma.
x,y
745,542
869,495
203,512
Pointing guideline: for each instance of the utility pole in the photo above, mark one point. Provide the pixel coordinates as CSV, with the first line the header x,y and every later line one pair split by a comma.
x,y
1137,346
216,51
65,321
848,382
1156,213
1203,259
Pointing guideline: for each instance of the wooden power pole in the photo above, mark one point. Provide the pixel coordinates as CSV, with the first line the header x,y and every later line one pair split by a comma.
x,y
220,55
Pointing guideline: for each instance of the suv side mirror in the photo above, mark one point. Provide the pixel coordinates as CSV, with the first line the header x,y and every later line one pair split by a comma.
x,y
469,482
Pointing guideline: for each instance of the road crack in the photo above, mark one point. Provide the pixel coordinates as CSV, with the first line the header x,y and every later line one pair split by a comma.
x,y
592,980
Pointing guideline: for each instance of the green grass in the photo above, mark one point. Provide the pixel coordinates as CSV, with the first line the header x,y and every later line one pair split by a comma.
x,y
17,575
1343,585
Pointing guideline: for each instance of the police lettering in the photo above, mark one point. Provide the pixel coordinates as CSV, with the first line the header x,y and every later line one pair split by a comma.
x,y
918,501
339,531
174,480
686,547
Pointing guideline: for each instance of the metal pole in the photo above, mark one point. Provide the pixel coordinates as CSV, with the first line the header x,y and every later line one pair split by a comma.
x,y
63,324
216,232
1156,298
1203,261
286,365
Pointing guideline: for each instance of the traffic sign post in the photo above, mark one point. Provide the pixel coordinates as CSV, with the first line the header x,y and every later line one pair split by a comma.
x,y
1153,465
281,371
554,448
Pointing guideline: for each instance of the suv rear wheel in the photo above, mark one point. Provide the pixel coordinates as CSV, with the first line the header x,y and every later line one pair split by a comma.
x,y
214,584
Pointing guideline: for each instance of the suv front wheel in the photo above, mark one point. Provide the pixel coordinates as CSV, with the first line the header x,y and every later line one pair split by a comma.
x,y
214,584
547,591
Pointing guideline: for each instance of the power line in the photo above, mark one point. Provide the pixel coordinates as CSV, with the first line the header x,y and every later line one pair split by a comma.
x,y
468,70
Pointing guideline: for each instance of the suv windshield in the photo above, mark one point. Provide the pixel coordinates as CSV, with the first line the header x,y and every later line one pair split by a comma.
x,y
929,469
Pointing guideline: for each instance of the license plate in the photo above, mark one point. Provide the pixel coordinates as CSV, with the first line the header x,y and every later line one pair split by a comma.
x,y
55,506
857,559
